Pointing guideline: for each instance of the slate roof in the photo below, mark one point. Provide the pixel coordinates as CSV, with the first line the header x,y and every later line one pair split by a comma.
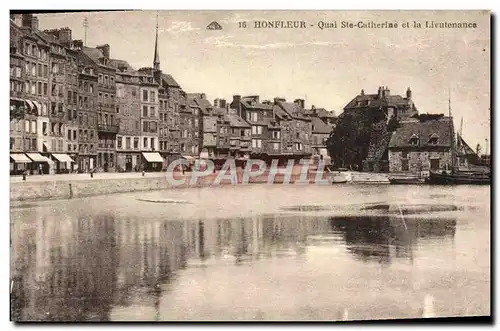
x,y
219,111
424,130
319,112
236,121
120,63
93,53
320,127
293,110
169,80
375,101
257,105
279,112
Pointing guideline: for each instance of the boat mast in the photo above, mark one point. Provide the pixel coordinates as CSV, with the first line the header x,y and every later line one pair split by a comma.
x,y
452,135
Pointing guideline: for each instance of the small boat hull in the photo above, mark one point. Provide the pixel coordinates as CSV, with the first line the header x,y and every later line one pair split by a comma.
x,y
407,181
458,179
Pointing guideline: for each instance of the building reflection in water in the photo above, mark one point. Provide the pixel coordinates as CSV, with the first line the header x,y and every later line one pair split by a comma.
x,y
82,267
380,238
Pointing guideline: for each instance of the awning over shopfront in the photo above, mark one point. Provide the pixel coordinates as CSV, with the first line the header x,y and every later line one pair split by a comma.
x,y
20,158
188,157
153,157
30,104
62,158
38,106
36,157
204,155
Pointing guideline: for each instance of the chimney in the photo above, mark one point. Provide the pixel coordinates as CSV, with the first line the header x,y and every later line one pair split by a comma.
x,y
65,35
30,21
362,92
313,108
236,100
300,103
408,93
203,96
277,99
105,50
222,103
380,92
387,92
216,103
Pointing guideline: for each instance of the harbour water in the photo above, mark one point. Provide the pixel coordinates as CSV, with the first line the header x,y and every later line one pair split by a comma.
x,y
256,252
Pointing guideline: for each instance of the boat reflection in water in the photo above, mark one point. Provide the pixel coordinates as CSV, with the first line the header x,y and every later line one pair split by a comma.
x,y
97,267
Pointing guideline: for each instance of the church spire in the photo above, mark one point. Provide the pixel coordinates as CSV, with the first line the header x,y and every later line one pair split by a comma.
x,y
156,60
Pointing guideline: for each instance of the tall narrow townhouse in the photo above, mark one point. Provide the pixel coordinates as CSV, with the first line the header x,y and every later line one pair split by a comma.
x,y
128,109
107,123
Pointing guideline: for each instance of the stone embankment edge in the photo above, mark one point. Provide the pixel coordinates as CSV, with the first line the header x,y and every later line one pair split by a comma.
x,y
68,189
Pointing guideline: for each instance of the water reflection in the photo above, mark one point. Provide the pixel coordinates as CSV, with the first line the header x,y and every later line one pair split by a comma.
x,y
97,267
381,238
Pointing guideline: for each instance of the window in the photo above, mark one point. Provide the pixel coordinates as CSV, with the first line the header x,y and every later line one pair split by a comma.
x,y
297,135
405,165
44,128
144,95
33,126
433,139
145,143
254,129
152,111
276,134
112,80
105,80
33,69
27,126
45,88
145,111
99,79
136,143
414,140
100,97
153,143
276,146
74,134
152,96
259,129
254,116
119,142
33,88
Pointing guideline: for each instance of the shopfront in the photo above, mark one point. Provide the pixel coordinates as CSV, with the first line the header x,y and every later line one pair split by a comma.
x,y
154,161
19,162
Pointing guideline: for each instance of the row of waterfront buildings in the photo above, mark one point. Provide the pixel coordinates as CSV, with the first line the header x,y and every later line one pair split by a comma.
x,y
75,108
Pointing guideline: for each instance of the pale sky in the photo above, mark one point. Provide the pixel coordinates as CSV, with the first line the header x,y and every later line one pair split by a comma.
x,y
327,67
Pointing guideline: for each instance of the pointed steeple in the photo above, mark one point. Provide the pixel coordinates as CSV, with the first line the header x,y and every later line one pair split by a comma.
x,y
156,60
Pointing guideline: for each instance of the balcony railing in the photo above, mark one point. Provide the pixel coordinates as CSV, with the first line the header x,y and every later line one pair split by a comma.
x,y
107,128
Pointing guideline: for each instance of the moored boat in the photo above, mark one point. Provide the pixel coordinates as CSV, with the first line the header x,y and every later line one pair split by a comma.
x,y
457,178
407,180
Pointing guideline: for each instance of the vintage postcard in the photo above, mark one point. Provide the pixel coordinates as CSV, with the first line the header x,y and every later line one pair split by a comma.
x,y
250,165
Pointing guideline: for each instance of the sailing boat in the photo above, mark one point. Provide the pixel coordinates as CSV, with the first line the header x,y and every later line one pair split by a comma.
x,y
455,175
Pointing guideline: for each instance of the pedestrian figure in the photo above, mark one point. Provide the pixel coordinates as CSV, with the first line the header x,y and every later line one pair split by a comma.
x,y
25,172
91,173
40,170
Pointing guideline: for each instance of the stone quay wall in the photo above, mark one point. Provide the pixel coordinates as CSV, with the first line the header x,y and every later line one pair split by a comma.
x,y
68,189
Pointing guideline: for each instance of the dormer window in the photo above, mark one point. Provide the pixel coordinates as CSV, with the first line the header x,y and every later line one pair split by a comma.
x,y
414,140
433,140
